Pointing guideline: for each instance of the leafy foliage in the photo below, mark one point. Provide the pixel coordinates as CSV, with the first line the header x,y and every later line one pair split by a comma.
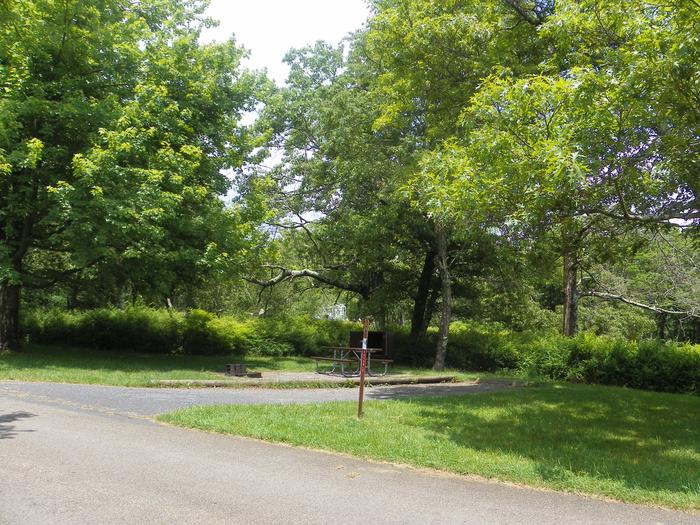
x,y
502,162
196,332
652,365
116,124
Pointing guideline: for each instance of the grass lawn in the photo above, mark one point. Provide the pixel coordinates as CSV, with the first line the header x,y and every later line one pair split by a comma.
x,y
79,365
624,444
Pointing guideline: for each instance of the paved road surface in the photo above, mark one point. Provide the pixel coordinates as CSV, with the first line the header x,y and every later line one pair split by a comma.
x,y
151,401
68,462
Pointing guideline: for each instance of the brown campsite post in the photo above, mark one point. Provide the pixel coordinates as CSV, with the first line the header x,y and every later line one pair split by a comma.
x,y
363,365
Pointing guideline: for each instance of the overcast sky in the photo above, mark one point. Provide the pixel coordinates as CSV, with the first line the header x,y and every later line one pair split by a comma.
x,y
269,28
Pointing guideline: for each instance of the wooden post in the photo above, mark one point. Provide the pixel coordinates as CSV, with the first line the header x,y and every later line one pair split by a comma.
x,y
363,366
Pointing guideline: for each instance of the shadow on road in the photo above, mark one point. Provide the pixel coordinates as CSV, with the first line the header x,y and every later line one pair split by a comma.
x,y
9,431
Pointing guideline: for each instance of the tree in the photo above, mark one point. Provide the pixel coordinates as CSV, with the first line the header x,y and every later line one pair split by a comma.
x,y
596,142
354,131
116,124
661,277
337,192
431,58
563,115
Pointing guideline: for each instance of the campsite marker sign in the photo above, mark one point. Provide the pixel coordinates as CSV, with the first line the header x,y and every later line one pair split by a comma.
x,y
363,365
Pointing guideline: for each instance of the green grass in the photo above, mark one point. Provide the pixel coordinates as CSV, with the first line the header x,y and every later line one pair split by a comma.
x,y
62,364
628,445
78,365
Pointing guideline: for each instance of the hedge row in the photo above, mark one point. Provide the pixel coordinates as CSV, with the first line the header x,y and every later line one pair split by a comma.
x,y
197,332
647,364
652,365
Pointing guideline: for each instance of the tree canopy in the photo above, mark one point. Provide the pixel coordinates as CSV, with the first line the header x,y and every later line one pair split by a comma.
x,y
552,126
507,161
116,126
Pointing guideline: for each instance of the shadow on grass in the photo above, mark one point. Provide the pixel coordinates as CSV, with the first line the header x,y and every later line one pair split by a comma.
x,y
643,440
9,431
438,389
48,357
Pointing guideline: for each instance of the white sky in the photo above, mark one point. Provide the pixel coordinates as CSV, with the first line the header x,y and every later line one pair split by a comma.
x,y
269,28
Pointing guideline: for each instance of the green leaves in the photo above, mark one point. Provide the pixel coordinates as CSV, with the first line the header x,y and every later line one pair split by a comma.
x,y
574,115
116,128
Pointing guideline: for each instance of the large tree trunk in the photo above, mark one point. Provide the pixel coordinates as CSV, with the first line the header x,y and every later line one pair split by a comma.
x,y
444,332
9,317
661,325
570,295
381,318
420,306
432,302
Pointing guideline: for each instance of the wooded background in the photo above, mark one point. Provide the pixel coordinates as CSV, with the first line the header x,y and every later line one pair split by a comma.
x,y
528,165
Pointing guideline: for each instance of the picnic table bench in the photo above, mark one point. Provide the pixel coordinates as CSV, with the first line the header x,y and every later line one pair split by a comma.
x,y
347,357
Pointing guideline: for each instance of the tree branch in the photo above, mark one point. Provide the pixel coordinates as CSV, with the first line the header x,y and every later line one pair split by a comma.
x,y
687,213
287,274
618,297
54,277
530,18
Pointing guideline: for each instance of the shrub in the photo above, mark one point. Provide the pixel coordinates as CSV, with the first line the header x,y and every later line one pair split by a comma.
x,y
49,326
196,333
271,348
307,335
652,365
414,353
199,337
480,347
139,329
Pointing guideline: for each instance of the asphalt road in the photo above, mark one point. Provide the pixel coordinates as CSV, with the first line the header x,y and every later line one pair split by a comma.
x,y
65,461
151,401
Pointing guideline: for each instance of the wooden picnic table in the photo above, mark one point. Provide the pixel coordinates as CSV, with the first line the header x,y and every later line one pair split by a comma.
x,y
345,356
